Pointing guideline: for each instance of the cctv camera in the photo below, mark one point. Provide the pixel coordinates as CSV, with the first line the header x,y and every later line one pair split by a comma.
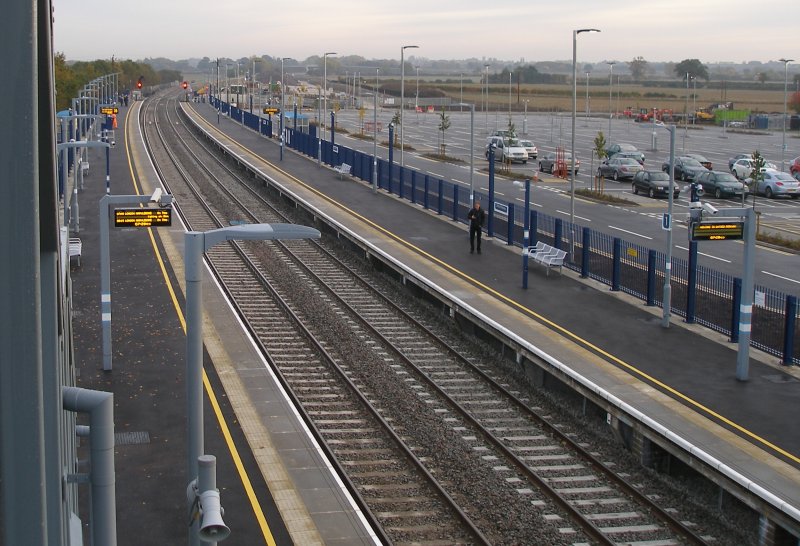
x,y
156,197
711,209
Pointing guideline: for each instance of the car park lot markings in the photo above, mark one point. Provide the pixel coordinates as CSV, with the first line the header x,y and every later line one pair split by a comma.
x,y
576,216
631,232
706,255
532,203
781,277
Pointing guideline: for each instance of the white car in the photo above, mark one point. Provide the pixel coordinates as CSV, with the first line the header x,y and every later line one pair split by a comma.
x,y
533,152
743,168
508,150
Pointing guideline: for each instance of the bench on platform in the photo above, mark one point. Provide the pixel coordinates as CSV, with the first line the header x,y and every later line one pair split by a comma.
x,y
75,249
344,168
547,255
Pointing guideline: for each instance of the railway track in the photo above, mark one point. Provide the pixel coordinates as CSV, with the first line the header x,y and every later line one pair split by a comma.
x,y
432,442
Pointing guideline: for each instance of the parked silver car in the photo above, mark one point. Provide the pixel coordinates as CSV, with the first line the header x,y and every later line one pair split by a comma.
x,y
775,184
548,163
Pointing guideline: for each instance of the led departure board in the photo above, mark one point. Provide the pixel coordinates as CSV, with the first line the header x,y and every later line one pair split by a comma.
x,y
143,217
717,231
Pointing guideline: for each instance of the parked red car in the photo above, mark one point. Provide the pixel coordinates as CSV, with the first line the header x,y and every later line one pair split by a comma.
x,y
794,168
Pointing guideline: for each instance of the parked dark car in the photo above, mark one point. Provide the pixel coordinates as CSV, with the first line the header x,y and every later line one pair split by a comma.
x,y
720,184
614,149
619,168
654,184
702,160
685,168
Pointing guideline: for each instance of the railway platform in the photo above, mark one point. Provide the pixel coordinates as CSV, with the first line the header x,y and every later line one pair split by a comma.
x,y
275,486
682,377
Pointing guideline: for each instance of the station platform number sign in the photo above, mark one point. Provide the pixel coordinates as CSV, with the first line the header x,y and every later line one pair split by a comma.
x,y
717,231
143,217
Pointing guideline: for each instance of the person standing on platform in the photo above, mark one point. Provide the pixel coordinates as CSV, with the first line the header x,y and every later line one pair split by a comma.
x,y
476,217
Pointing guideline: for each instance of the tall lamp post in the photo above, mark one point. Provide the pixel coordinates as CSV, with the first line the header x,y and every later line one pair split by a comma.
x,y
610,89
667,294
283,103
375,134
574,115
403,94
253,82
785,80
197,243
509,95
323,105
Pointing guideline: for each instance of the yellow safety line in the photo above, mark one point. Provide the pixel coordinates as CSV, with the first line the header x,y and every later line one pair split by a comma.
x,y
251,495
513,303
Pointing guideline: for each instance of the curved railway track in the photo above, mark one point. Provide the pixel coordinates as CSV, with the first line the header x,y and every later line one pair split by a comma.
x,y
434,445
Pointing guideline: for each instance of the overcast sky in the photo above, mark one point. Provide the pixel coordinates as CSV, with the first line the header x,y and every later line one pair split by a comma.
x,y
710,30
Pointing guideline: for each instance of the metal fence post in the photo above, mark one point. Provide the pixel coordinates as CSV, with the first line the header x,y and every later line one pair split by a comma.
x,y
558,226
533,226
691,283
510,228
651,277
413,197
455,202
616,269
441,196
585,250
426,199
788,330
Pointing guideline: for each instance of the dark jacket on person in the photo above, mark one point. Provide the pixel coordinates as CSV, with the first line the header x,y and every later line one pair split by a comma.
x,y
476,217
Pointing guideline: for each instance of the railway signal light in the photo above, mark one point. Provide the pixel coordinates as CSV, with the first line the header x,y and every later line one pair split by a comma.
x,y
139,83
185,85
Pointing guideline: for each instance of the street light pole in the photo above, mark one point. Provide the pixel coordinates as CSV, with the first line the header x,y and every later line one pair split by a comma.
x,y
416,95
195,244
509,95
402,96
323,107
667,295
283,104
375,135
586,108
574,114
610,90
785,81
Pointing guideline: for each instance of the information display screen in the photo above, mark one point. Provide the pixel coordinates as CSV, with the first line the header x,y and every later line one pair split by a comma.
x,y
108,110
140,217
717,231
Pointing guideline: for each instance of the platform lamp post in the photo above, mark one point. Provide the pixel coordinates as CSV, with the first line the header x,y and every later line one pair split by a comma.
x,y
283,104
253,81
667,225
323,109
572,149
375,134
196,244
471,149
785,82
610,92
402,97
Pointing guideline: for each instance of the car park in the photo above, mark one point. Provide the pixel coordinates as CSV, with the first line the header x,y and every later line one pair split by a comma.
x,y
702,160
654,184
685,168
506,149
548,163
720,184
614,149
619,168
743,168
774,183
794,168
533,152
